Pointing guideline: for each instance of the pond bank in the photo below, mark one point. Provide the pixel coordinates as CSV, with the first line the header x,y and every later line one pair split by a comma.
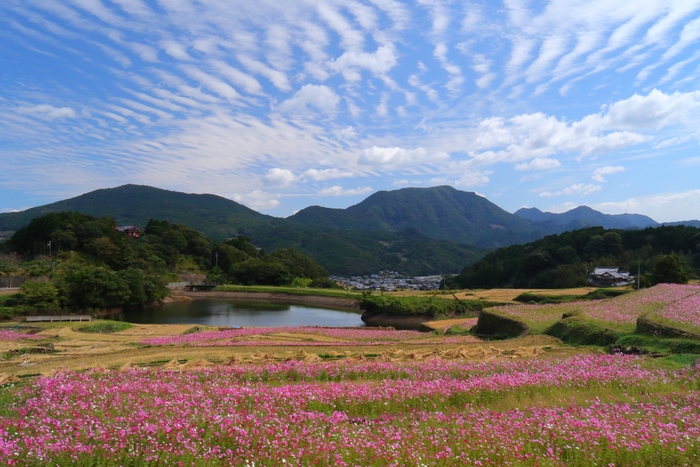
x,y
335,303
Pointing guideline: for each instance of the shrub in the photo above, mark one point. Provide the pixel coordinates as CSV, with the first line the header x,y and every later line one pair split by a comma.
x,y
104,327
576,331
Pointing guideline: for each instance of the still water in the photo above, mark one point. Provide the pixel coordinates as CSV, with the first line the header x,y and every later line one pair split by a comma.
x,y
222,312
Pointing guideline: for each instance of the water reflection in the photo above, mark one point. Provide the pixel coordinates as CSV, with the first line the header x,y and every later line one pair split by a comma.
x,y
222,312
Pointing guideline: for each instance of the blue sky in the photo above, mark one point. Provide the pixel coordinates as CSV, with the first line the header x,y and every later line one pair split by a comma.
x,y
282,105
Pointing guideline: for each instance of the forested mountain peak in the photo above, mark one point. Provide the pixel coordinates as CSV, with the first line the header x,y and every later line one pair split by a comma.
x,y
137,204
439,212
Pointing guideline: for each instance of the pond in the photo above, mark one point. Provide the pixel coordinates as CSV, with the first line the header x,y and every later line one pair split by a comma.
x,y
223,312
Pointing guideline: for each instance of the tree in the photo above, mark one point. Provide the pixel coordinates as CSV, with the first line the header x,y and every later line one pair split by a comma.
x,y
669,269
93,288
38,295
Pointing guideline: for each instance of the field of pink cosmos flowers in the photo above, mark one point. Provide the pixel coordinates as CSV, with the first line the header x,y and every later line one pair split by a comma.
x,y
16,335
587,410
675,303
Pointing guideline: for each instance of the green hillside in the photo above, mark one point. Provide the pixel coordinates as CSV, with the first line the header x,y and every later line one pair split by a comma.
x,y
217,217
563,260
339,252
440,212
351,252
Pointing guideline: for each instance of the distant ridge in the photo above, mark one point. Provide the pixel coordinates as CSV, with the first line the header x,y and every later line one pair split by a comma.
x,y
346,252
417,231
583,217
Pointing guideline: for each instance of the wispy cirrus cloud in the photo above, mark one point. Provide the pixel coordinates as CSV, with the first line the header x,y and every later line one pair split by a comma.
x,y
204,95
337,190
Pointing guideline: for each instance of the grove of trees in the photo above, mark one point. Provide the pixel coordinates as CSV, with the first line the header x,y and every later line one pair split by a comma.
x,y
663,254
85,264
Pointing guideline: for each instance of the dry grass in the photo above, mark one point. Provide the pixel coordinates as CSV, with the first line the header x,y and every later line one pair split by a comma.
x,y
493,295
443,324
75,350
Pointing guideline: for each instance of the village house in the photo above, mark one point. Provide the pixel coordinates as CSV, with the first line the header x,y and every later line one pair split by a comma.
x,y
605,276
129,230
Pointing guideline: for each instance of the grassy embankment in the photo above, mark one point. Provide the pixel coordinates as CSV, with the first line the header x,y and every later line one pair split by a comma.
x,y
427,305
289,291
618,322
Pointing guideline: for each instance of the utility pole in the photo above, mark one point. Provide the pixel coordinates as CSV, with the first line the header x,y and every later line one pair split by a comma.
x,y
639,271
51,259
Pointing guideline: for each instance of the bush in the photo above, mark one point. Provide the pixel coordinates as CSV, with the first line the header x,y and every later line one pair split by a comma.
x,y
576,331
42,296
498,326
430,306
6,312
105,327
685,346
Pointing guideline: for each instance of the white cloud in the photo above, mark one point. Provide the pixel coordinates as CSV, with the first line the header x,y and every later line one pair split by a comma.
x,y
378,63
237,77
581,189
211,82
340,191
146,52
473,178
322,98
665,207
276,77
257,200
538,163
348,133
654,111
326,174
48,112
620,125
608,170
175,50
396,157
676,141
279,176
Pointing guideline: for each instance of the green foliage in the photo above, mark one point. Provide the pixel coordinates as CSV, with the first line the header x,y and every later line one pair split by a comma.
x,y
457,330
354,252
94,288
298,264
105,327
7,312
655,344
599,294
441,213
258,272
669,269
494,325
289,291
324,283
38,296
561,261
430,306
300,282
580,332
399,247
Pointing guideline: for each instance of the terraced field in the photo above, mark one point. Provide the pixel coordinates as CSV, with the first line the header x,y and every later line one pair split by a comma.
x,y
175,395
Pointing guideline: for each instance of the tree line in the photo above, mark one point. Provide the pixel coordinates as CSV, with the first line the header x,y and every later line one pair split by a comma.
x,y
87,264
662,254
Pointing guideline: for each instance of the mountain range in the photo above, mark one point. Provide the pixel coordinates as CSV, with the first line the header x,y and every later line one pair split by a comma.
x,y
411,230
